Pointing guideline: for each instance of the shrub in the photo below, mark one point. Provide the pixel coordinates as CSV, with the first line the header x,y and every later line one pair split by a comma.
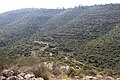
x,y
40,71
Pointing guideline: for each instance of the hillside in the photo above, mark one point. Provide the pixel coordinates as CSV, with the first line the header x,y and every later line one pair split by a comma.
x,y
103,51
89,25
85,38
23,23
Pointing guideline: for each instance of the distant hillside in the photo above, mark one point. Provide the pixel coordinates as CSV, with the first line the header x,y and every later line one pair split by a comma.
x,y
19,24
94,22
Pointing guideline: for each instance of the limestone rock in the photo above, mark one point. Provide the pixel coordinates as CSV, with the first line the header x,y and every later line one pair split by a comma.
x,y
29,76
2,78
39,78
109,78
89,78
12,78
7,73
118,78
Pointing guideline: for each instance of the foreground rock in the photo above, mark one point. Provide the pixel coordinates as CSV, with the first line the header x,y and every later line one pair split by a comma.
x,y
12,78
24,75
89,78
98,77
29,76
2,78
10,75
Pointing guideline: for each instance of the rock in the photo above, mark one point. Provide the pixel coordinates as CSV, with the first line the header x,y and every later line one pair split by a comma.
x,y
21,74
89,78
66,50
109,78
54,52
39,78
51,45
118,79
34,79
99,77
2,78
29,76
51,54
77,78
7,73
12,78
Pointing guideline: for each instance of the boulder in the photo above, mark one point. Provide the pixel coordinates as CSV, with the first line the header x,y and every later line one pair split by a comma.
x,y
7,73
36,78
12,78
29,76
39,78
118,79
21,76
100,77
109,78
2,78
51,45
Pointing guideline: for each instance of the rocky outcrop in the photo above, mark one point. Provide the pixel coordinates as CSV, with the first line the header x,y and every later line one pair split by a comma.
x,y
38,73
7,73
97,77
10,75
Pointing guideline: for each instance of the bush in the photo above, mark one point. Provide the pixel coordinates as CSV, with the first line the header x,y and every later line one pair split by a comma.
x,y
40,72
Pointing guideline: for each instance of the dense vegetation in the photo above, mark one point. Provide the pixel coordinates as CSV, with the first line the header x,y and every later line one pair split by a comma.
x,y
89,36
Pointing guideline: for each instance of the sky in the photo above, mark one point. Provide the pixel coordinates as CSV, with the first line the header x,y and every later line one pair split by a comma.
x,y
7,5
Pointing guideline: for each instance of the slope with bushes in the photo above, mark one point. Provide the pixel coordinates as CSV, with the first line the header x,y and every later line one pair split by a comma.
x,y
86,38
23,23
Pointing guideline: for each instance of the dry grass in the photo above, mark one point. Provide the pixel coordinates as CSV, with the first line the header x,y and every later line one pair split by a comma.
x,y
1,68
39,71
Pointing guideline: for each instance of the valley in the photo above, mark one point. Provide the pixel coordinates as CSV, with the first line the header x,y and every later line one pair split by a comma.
x,y
81,43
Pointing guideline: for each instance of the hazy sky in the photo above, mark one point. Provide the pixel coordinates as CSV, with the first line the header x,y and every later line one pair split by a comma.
x,y
7,5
